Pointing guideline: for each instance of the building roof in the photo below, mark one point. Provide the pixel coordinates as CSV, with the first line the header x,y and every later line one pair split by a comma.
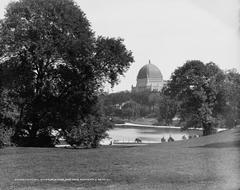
x,y
149,71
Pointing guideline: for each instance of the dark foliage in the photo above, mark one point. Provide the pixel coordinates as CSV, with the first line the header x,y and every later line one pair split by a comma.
x,y
88,132
167,110
197,88
53,65
128,105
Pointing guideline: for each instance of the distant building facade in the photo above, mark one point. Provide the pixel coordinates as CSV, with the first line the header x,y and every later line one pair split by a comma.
x,y
149,78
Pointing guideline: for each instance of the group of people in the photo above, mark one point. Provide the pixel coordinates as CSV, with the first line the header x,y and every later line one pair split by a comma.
x,y
189,137
170,139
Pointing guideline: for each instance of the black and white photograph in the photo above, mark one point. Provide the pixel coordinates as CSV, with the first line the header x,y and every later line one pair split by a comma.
x,y
119,94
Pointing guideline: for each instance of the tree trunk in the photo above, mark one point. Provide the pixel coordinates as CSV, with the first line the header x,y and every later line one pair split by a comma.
x,y
94,144
207,129
32,136
33,132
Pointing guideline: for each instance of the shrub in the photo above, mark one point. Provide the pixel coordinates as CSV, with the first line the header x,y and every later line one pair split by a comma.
x,y
44,138
88,132
5,135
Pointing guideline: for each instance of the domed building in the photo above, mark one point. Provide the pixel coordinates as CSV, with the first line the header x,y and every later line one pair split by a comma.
x,y
149,78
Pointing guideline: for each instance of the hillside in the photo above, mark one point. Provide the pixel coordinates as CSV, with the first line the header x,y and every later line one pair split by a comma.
x,y
225,139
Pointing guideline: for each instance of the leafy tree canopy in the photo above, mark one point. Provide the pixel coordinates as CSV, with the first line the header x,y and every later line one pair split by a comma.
x,y
197,88
231,90
167,110
53,64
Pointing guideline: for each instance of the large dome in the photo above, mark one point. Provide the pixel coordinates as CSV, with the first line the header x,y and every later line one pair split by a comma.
x,y
149,78
149,71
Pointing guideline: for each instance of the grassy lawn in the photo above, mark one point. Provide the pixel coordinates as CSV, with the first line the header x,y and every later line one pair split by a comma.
x,y
211,162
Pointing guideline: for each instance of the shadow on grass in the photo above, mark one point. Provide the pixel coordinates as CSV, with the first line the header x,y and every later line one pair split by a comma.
x,y
102,147
229,144
238,132
119,146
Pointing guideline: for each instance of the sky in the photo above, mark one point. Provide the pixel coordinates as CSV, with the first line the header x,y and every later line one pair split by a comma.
x,y
168,32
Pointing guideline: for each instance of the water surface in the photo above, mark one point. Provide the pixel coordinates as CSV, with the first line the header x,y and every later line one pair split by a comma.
x,y
148,134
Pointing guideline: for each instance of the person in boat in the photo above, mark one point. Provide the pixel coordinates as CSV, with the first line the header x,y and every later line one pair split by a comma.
x,y
111,142
195,136
170,139
184,137
163,140
138,140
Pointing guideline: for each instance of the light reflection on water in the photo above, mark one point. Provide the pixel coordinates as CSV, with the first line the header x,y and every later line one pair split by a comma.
x,y
148,135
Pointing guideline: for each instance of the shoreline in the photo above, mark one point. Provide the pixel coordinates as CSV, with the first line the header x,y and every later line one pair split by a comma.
x,y
154,126
162,127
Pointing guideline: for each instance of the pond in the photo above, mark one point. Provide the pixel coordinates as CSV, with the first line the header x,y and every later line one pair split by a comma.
x,y
148,134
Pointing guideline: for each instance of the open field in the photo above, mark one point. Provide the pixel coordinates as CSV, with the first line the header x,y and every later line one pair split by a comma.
x,y
211,162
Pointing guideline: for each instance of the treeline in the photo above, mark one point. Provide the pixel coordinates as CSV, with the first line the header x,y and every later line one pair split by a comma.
x,y
197,95
131,105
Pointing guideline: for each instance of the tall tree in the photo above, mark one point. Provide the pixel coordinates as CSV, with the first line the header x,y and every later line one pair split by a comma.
x,y
196,86
167,109
53,64
131,109
232,94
